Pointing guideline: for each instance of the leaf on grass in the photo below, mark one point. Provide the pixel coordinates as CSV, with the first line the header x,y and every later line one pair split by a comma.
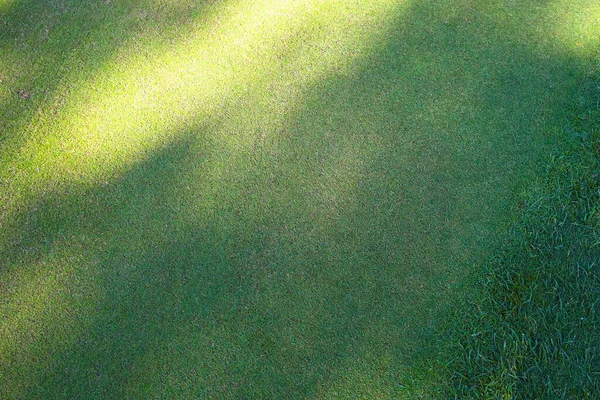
x,y
24,94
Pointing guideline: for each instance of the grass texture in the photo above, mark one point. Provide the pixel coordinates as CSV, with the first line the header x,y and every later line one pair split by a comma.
x,y
533,331
262,199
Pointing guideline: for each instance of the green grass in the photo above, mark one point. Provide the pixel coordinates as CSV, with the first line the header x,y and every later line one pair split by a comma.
x,y
534,326
265,199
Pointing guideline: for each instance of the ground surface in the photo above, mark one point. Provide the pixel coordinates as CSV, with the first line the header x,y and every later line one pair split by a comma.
x,y
261,199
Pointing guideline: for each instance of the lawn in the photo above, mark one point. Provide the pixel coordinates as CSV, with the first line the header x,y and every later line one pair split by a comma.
x,y
263,199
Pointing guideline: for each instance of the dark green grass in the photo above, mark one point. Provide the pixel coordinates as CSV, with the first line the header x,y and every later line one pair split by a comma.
x,y
532,331
301,236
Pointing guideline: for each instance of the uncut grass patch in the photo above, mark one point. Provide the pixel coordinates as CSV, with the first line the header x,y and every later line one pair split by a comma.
x,y
533,331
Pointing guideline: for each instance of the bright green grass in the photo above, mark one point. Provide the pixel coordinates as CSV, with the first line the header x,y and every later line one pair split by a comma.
x,y
261,199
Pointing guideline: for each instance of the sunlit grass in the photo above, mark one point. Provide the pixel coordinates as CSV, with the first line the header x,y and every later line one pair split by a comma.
x,y
575,25
142,99
254,199
145,95
5,4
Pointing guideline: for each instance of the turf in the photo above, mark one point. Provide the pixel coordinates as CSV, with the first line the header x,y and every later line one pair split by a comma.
x,y
533,331
233,199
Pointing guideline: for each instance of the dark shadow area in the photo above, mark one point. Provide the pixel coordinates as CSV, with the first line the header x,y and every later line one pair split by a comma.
x,y
331,249
231,304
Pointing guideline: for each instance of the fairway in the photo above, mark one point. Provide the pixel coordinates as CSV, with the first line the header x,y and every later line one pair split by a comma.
x,y
263,199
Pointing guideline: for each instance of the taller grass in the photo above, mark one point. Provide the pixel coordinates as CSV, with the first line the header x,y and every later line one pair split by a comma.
x,y
532,331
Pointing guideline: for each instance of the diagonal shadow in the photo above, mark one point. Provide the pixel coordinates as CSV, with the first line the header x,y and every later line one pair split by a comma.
x,y
320,263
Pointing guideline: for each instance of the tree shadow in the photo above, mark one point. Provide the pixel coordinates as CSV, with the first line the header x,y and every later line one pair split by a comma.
x,y
321,261
218,293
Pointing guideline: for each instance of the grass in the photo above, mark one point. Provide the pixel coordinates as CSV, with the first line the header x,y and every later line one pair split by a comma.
x,y
265,199
534,328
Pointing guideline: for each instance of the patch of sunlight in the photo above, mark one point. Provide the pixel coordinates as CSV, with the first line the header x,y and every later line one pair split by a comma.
x,y
576,25
5,87
145,96
5,5
4,92
224,74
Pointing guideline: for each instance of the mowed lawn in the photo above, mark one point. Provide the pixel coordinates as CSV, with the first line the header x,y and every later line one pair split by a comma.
x,y
262,199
